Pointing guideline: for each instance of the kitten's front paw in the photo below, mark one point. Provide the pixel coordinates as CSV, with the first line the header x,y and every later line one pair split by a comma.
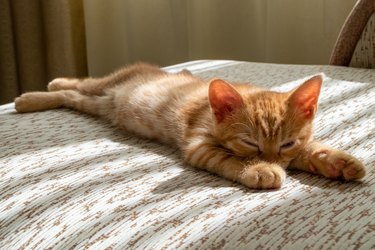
x,y
336,164
263,176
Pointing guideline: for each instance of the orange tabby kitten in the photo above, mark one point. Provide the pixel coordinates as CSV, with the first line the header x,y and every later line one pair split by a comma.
x,y
240,131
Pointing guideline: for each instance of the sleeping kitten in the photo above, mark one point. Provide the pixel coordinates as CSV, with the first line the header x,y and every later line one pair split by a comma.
x,y
238,131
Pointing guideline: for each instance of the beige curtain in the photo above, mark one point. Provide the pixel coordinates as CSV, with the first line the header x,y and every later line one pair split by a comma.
x,y
39,40
172,31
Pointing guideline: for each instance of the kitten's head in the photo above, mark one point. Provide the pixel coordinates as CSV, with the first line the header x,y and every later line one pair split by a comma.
x,y
261,124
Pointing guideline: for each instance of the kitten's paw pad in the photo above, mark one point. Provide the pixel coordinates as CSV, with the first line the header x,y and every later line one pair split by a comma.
x,y
263,176
61,84
336,164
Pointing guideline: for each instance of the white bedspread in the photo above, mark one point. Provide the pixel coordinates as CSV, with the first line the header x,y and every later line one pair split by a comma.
x,y
69,180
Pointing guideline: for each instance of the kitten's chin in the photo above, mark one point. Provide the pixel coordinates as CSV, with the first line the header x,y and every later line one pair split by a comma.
x,y
284,163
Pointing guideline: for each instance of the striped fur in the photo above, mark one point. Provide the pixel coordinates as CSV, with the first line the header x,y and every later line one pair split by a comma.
x,y
237,131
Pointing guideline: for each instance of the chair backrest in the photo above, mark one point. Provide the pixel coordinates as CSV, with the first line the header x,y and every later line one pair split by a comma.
x,y
355,46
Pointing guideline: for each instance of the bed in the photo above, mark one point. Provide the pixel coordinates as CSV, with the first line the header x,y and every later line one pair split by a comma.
x,y
71,181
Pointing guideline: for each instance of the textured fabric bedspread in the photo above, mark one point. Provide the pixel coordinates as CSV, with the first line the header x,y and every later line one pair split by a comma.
x,y
69,180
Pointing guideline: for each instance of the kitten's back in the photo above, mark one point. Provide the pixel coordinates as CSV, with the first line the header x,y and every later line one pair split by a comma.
x,y
157,107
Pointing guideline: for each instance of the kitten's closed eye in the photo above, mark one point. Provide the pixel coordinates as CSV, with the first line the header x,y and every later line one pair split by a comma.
x,y
251,144
287,145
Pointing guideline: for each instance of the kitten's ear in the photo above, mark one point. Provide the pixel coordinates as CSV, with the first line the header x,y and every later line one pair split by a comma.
x,y
304,99
224,99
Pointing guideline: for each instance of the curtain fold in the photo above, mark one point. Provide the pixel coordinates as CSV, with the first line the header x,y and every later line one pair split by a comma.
x,y
39,40
8,69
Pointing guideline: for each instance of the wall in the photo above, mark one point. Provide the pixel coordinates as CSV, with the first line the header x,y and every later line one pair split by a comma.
x,y
172,31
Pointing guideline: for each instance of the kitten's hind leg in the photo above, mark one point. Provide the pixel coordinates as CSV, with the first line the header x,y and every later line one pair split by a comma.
x,y
87,86
90,104
63,84
39,101
319,159
97,86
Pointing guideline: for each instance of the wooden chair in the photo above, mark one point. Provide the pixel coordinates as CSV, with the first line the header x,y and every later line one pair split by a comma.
x,y
355,46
